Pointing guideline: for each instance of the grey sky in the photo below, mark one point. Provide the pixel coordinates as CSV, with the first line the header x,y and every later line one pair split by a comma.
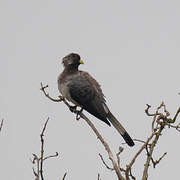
x,y
131,48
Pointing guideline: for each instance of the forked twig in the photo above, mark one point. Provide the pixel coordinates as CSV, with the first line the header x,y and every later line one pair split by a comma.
x,y
112,169
161,121
39,161
80,114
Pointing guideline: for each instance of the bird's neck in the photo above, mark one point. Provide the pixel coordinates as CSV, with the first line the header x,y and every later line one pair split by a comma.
x,y
71,69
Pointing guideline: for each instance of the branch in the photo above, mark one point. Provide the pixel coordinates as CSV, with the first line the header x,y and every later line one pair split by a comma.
x,y
157,161
129,166
36,160
112,169
161,121
47,95
64,176
80,114
139,140
1,125
106,146
99,176
39,161
149,155
42,150
51,156
177,127
118,158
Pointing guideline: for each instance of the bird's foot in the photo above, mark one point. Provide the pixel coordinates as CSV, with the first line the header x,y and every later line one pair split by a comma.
x,y
73,109
78,114
61,98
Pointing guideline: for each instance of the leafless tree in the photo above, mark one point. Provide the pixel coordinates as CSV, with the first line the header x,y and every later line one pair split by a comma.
x,y
160,120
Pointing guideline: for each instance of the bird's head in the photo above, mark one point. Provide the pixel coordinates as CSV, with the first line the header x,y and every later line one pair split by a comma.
x,y
72,61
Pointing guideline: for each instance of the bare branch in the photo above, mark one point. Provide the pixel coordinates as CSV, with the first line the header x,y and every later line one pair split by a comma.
x,y
51,156
115,166
157,161
118,157
64,176
112,169
36,161
47,95
161,121
42,149
136,155
39,161
149,155
130,173
139,140
147,110
35,174
177,127
80,114
99,176
35,158
174,119
1,125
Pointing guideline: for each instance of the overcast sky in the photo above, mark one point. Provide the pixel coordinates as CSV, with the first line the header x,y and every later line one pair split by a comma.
x,y
132,48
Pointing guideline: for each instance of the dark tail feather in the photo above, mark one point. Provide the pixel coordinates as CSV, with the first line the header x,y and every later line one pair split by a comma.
x,y
120,129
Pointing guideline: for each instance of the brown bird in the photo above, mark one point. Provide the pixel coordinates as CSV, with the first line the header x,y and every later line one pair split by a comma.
x,y
83,90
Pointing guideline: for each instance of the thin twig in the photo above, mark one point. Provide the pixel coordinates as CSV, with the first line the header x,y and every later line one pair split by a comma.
x,y
146,166
47,95
139,140
64,176
1,125
42,149
111,157
137,154
156,118
159,116
161,121
147,110
158,161
36,160
99,176
112,169
39,161
177,127
51,156
118,157
130,173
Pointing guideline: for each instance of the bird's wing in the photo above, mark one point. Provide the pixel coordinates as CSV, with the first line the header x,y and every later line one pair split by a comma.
x,y
81,90
87,93
95,84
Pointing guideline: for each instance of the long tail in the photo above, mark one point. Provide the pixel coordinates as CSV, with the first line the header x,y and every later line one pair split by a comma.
x,y
120,129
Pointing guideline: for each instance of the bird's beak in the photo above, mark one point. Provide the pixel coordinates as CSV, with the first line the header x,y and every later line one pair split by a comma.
x,y
81,61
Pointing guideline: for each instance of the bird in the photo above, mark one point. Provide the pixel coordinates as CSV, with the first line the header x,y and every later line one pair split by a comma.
x,y
81,89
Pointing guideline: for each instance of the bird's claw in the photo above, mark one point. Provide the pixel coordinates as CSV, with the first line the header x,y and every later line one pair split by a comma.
x,y
61,98
78,114
73,109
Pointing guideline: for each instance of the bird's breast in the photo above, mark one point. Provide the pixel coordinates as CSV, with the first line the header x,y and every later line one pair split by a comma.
x,y
64,89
